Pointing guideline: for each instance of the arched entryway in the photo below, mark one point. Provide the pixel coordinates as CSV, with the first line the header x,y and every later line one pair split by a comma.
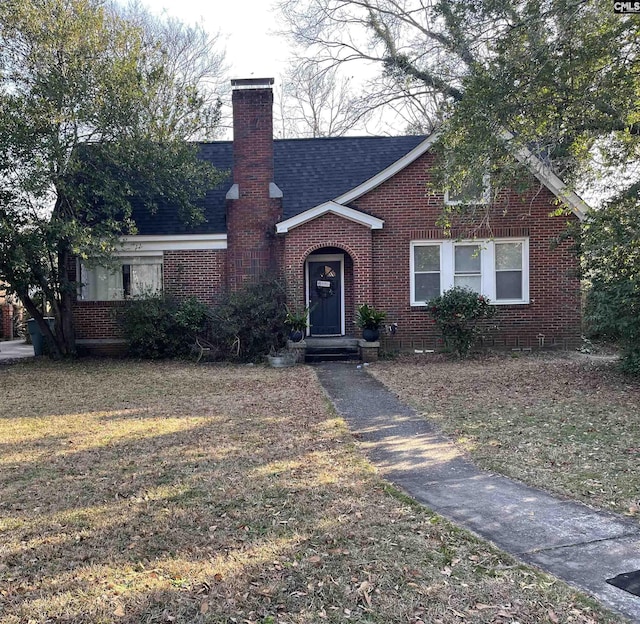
x,y
329,291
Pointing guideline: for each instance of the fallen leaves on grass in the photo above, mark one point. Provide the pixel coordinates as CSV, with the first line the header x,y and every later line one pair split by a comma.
x,y
562,423
139,492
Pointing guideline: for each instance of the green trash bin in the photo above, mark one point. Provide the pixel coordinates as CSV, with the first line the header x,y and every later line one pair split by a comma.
x,y
37,338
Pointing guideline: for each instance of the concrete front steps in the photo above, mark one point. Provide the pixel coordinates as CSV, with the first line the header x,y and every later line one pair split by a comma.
x,y
331,349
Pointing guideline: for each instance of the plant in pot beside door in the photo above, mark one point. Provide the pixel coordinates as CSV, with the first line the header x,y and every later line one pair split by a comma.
x,y
370,320
297,323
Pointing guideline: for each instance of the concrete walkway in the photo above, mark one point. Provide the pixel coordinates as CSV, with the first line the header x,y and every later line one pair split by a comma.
x,y
15,349
567,539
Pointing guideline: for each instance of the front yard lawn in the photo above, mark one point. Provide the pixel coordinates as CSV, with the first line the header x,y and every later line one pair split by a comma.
x,y
566,423
142,493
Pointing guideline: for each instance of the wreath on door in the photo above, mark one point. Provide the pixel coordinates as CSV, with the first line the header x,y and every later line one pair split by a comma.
x,y
326,283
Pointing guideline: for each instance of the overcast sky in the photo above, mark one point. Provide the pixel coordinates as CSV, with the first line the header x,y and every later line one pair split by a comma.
x,y
247,29
248,32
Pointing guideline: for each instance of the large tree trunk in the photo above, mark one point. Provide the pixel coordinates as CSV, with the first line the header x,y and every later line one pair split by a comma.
x,y
38,316
61,341
63,291
65,328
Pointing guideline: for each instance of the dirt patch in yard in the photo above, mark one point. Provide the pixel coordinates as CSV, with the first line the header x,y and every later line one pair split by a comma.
x,y
138,492
567,423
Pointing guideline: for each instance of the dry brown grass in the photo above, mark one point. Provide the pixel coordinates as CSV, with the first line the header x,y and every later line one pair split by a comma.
x,y
566,423
136,492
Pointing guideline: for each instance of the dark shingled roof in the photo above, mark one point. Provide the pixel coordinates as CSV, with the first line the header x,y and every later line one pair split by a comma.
x,y
309,172
166,219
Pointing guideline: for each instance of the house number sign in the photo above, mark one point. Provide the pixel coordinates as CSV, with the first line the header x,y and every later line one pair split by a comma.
x,y
323,284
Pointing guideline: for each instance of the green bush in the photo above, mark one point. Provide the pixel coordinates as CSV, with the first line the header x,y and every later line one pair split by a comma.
x,y
611,264
296,320
458,313
250,323
157,327
245,325
370,318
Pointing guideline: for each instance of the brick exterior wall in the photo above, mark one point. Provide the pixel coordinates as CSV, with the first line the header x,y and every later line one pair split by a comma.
x,y
377,261
350,304
410,213
251,219
96,320
331,234
6,321
200,274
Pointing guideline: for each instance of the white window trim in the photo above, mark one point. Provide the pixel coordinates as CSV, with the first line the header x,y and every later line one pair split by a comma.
x,y
148,257
525,272
425,243
487,264
148,245
482,272
483,200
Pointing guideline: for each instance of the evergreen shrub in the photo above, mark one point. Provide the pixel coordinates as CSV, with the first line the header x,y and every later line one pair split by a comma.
x,y
458,313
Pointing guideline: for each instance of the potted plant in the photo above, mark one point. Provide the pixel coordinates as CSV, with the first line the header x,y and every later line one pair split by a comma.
x,y
281,359
370,320
297,323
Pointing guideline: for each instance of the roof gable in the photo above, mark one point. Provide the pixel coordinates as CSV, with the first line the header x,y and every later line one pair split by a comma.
x,y
388,172
311,172
536,166
545,174
314,173
350,214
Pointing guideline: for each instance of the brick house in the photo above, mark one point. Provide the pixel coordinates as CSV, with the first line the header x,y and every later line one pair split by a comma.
x,y
6,316
348,221
10,311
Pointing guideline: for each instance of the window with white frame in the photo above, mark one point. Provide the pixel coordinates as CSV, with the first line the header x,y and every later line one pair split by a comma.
x,y
426,271
473,190
128,277
509,271
467,269
498,269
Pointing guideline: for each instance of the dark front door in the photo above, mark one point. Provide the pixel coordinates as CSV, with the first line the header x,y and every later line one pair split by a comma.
x,y
325,298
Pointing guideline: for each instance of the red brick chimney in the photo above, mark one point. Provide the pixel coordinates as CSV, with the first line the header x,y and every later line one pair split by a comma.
x,y
254,201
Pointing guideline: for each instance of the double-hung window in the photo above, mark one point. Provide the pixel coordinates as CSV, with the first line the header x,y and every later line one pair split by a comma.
x,y
467,267
128,277
509,271
498,269
426,264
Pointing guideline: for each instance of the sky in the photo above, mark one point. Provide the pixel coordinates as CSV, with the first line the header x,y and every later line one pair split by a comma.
x,y
248,33
247,29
